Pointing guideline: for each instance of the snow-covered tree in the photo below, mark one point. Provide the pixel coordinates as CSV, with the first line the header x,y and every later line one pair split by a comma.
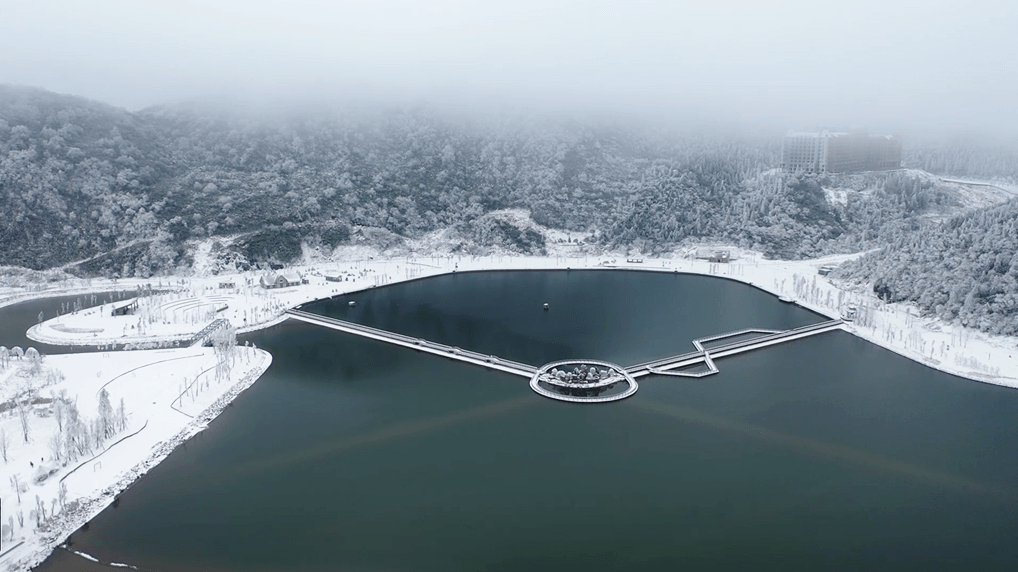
x,y
224,345
121,416
107,423
56,446
5,443
77,439
964,270
34,361
16,485
60,409
22,409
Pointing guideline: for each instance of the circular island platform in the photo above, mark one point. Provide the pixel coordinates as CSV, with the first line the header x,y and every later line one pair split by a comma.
x,y
583,381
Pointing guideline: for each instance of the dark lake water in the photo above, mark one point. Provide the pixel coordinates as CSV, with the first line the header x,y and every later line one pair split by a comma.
x,y
16,319
351,454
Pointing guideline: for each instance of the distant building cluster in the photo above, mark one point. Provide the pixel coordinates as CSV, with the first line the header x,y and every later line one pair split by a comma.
x,y
838,152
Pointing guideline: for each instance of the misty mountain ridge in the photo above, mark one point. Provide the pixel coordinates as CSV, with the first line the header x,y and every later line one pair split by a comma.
x,y
96,190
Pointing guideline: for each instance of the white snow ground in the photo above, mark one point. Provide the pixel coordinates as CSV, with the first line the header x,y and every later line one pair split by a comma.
x,y
159,418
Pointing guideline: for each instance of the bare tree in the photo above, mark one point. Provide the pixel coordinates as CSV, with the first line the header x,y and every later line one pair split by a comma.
x,y
5,442
77,438
59,407
107,423
98,433
224,344
56,445
17,487
23,416
121,416
40,511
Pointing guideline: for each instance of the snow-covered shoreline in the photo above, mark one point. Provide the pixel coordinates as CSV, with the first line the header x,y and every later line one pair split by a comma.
x,y
897,327
966,352
93,506
165,411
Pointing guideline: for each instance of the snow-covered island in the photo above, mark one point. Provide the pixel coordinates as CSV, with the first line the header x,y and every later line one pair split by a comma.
x,y
77,429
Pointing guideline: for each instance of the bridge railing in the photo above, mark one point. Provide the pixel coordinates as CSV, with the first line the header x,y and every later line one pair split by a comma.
x,y
785,334
413,342
200,337
735,345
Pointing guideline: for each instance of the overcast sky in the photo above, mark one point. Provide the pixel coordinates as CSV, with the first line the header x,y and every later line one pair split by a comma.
x,y
876,64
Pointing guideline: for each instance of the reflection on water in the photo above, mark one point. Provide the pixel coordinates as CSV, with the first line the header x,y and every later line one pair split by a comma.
x,y
350,454
815,447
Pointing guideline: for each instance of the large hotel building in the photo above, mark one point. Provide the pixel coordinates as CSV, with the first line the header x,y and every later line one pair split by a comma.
x,y
835,152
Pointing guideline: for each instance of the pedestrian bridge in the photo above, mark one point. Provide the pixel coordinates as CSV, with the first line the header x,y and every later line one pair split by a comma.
x,y
204,337
698,363
706,356
419,344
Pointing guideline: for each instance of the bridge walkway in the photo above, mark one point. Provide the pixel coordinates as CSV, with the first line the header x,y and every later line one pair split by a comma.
x,y
202,337
707,356
493,362
666,366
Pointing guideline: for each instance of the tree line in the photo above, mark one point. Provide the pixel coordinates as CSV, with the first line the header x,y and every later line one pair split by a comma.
x,y
113,193
963,271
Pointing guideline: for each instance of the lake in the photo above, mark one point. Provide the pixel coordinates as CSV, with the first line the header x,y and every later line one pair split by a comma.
x,y
16,319
351,454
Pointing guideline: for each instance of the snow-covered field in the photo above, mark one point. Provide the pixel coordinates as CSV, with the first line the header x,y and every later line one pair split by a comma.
x,y
56,476
161,418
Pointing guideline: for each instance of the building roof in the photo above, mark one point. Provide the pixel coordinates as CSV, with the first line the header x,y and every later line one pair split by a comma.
x,y
828,134
123,304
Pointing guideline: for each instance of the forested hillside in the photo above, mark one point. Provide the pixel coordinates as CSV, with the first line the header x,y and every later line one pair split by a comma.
x,y
782,215
979,160
965,269
125,194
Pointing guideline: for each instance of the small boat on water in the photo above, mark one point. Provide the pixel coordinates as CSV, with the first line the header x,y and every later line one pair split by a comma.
x,y
786,299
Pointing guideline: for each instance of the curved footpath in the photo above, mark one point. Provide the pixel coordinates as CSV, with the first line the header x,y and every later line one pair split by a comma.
x,y
160,418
